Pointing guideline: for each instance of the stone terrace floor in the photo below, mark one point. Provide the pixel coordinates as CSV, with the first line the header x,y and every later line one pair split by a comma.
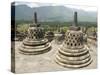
x,y
45,62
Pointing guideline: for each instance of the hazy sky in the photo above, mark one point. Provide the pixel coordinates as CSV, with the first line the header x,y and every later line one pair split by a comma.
x,y
37,4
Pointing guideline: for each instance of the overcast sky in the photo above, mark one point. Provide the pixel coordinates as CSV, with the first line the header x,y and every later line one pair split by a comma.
x,y
37,4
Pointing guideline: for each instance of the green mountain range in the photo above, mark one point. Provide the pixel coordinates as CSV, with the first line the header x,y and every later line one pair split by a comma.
x,y
52,13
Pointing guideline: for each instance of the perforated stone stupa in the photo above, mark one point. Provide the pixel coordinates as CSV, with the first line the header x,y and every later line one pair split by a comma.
x,y
73,53
35,43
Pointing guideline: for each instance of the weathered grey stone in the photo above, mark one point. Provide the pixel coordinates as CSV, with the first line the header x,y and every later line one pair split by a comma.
x,y
35,43
73,53
49,35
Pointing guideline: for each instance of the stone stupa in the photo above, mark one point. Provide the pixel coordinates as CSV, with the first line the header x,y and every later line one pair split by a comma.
x,y
73,53
35,43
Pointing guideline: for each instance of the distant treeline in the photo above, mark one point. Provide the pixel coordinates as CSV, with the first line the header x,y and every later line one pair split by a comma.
x,y
56,24
22,26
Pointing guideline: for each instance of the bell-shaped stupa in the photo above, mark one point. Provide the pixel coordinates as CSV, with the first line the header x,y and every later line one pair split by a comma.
x,y
73,53
35,43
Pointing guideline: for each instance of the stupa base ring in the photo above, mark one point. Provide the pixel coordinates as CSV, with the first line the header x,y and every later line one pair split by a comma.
x,y
73,66
73,60
34,50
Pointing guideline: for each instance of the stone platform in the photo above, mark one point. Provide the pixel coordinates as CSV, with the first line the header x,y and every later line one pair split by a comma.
x,y
34,47
46,62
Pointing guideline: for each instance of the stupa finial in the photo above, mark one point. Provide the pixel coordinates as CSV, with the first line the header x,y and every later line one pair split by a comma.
x,y
35,17
75,24
35,22
75,18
